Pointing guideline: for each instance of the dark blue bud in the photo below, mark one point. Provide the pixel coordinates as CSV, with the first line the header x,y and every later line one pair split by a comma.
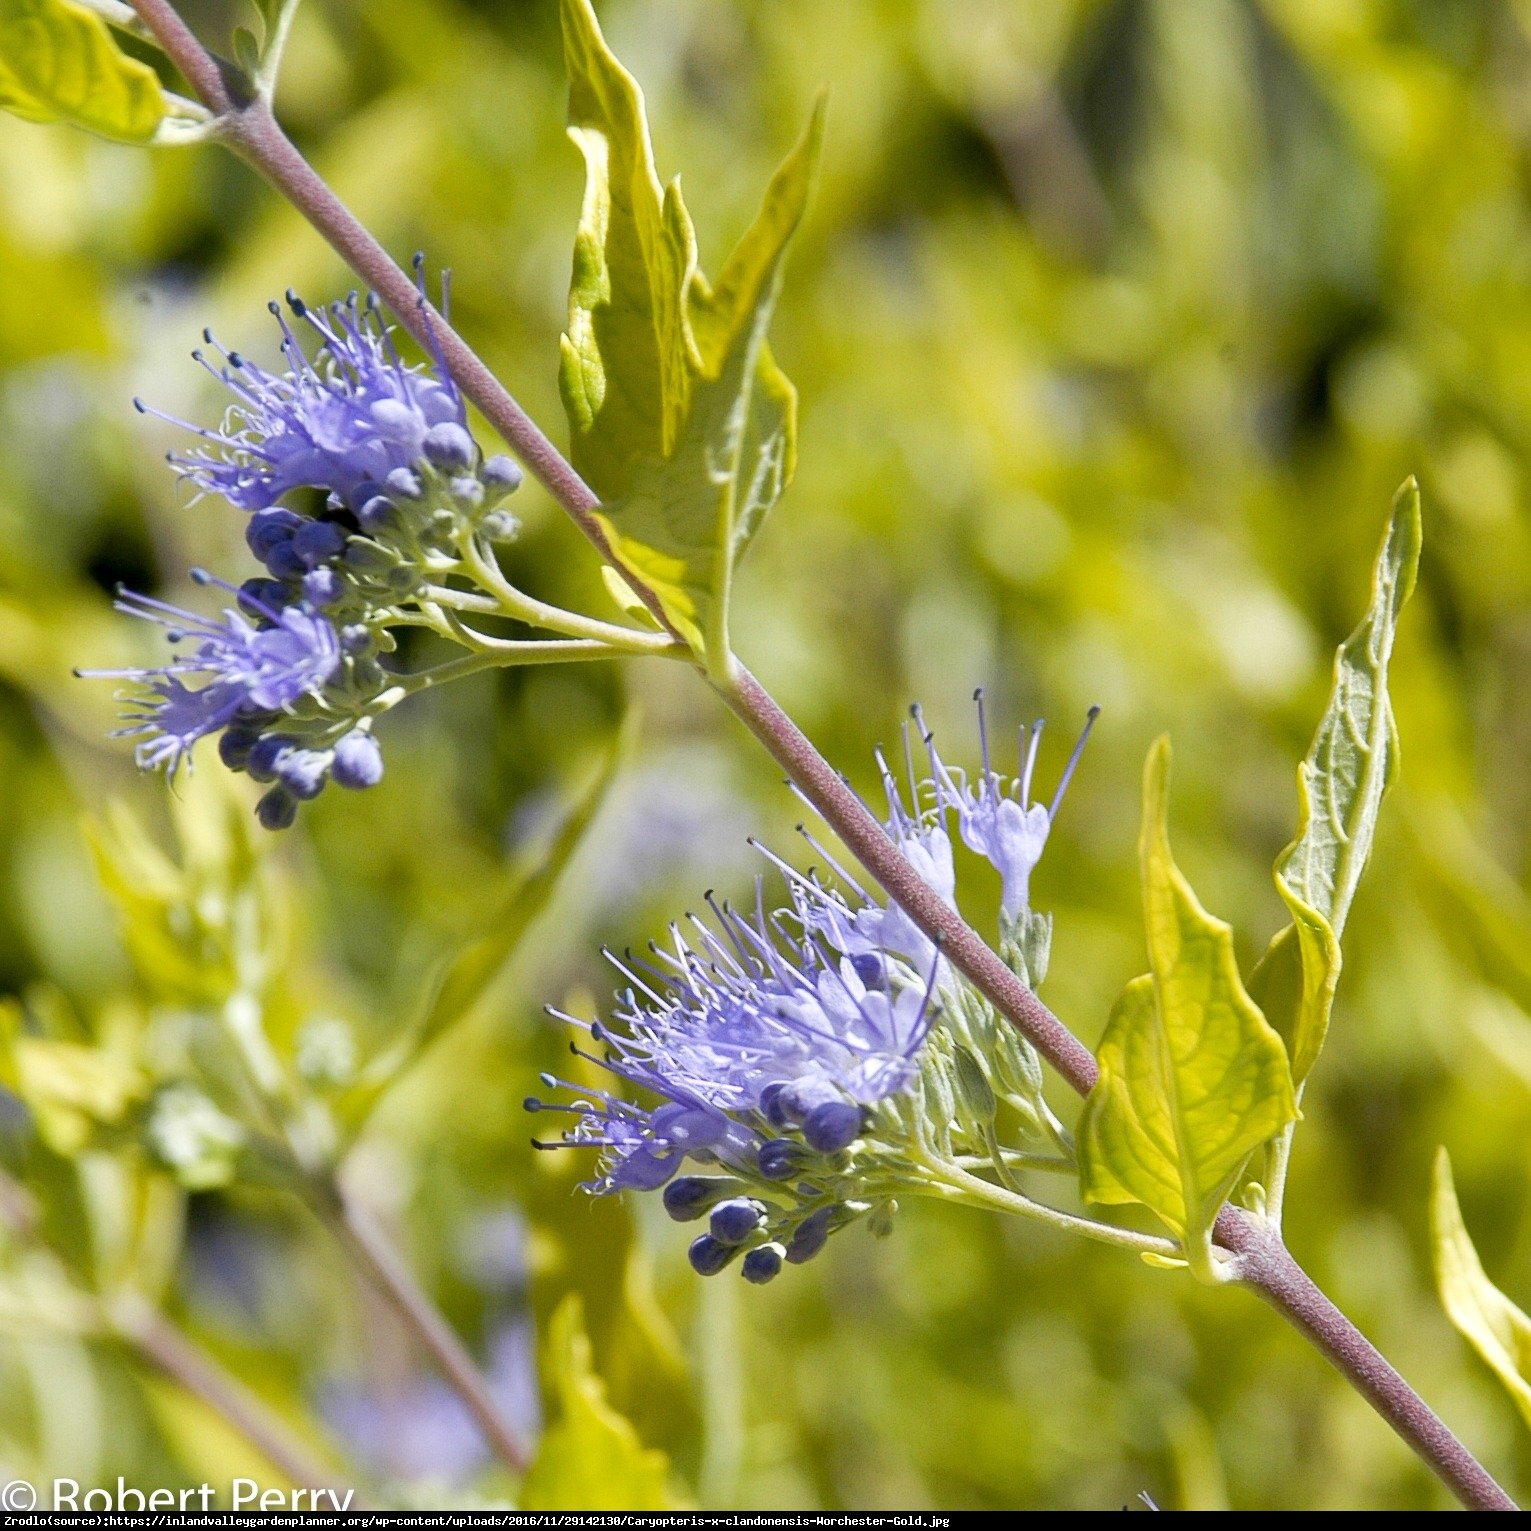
x,y
449,447
277,809
316,541
266,528
322,587
266,755
234,746
404,484
689,1196
304,772
779,1159
810,1236
269,593
707,1256
379,513
358,761
870,969
763,1264
833,1126
356,638
772,1107
501,474
284,561
734,1221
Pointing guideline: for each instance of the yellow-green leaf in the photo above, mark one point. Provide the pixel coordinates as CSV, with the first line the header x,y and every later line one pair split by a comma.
x,y
73,1090
625,374
59,63
1192,1078
464,978
591,1457
1493,1325
681,420
1340,786
1479,904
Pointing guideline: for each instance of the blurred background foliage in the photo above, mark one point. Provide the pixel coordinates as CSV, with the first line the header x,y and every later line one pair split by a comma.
x,y
1116,323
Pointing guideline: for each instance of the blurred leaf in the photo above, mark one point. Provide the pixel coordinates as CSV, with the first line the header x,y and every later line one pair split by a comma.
x,y
682,422
1348,769
1493,1325
202,928
591,1457
463,979
59,63
1192,1079
74,1090
203,1441
1481,904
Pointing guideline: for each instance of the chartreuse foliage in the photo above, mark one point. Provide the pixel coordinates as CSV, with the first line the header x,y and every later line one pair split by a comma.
x,y
60,63
1196,1072
591,1457
1192,1078
681,421
1495,1327
1340,786
462,979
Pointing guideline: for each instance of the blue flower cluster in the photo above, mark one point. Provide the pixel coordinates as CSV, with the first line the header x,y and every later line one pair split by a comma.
x,y
778,1045
290,680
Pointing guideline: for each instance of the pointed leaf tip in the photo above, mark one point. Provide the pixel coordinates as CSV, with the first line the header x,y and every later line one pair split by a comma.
x,y
681,420
1192,1078
1493,1325
1340,786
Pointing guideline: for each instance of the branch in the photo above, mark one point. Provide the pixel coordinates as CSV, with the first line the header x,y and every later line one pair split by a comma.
x,y
369,1248
1265,1264
161,1345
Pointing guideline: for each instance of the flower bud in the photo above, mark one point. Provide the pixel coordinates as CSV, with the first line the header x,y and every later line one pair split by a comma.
x,y
322,587
763,1264
358,761
780,1159
315,541
810,1236
277,809
688,1197
500,526
501,474
708,1256
303,772
234,746
449,447
404,484
266,528
265,756
734,1221
832,1126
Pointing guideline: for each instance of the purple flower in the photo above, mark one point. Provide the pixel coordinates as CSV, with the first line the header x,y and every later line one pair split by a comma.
x,y
741,1036
249,671
342,422
997,819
